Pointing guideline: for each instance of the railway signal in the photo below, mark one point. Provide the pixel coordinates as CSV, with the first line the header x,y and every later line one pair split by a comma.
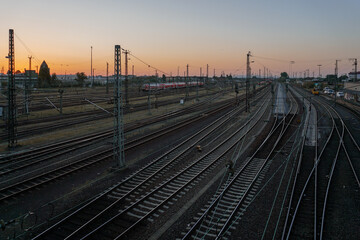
x,y
237,92
61,91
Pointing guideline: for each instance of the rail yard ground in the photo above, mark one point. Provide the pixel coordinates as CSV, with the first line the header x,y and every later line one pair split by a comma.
x,y
207,169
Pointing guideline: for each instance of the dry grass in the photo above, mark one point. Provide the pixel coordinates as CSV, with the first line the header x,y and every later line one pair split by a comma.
x,y
99,125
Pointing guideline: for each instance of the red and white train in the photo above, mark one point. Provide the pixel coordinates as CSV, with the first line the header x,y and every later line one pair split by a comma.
x,y
174,85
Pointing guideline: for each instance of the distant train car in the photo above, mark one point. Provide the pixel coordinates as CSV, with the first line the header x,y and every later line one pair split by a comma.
x,y
174,85
315,91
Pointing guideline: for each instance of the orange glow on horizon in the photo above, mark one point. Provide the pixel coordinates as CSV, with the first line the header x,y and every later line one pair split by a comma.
x,y
235,65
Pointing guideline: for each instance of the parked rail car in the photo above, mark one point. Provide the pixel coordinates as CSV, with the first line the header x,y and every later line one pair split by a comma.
x,y
174,85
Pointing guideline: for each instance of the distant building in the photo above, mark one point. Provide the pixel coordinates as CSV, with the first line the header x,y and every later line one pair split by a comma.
x,y
44,66
352,86
352,76
28,77
66,78
352,91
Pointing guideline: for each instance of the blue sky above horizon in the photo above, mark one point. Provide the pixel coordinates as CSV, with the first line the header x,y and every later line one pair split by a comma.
x,y
168,34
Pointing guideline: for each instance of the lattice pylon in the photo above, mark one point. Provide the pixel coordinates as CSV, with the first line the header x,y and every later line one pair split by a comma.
x,y
11,119
119,154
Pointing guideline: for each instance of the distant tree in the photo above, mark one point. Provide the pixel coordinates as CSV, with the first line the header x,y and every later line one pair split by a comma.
x,y
308,85
53,77
163,78
80,78
330,78
54,80
284,75
343,77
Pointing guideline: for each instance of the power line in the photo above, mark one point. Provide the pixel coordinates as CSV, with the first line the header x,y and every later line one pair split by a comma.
x,y
28,49
149,64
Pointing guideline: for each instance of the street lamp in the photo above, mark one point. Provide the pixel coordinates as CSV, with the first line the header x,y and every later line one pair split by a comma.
x,y
319,65
290,68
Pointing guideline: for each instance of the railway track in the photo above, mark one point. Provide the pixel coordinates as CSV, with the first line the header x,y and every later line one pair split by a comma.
x,y
75,118
129,127
17,162
145,195
325,191
38,102
103,154
225,209
78,118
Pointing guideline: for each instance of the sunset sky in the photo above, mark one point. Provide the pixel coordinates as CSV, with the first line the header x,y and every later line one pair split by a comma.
x,y
167,34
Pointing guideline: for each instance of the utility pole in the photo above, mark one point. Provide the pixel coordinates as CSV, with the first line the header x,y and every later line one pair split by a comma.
x,y
290,73
61,91
197,85
319,65
264,73
11,119
26,97
355,64
126,52
207,77
178,75
92,76
336,77
187,80
149,98
30,62
132,71
119,154
214,72
107,78
248,75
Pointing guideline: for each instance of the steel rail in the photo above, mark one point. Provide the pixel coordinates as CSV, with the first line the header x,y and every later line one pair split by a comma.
x,y
224,228
341,136
308,180
190,178
221,120
341,145
87,141
32,182
296,176
200,220
159,170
